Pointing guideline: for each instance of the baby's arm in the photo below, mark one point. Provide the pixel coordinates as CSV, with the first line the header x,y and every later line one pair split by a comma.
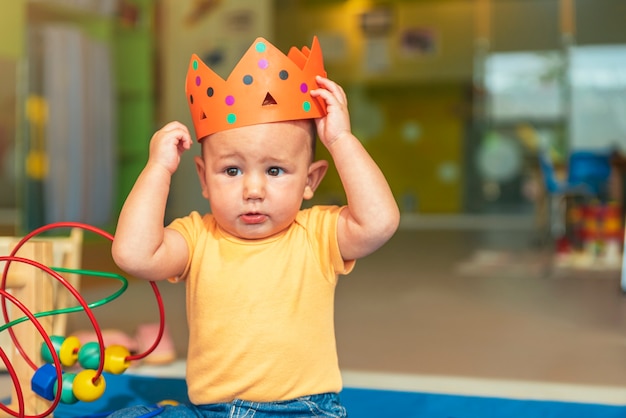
x,y
372,215
142,245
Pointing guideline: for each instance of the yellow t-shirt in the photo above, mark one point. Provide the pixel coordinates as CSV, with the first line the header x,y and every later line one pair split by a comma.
x,y
260,312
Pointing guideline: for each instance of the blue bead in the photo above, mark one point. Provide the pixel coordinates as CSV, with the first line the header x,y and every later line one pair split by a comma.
x,y
43,381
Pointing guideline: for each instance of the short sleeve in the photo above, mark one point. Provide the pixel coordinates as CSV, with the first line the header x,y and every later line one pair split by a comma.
x,y
321,225
186,226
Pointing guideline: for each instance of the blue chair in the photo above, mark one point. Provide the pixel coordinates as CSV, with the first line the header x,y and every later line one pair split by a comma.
x,y
587,178
591,169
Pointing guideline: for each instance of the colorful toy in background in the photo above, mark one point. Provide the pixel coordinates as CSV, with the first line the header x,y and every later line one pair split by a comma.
x,y
593,235
58,352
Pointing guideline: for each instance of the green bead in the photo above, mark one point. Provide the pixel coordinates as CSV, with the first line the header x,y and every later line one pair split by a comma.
x,y
46,355
89,355
67,393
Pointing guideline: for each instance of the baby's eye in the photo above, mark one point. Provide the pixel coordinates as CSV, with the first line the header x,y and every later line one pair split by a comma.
x,y
275,171
232,171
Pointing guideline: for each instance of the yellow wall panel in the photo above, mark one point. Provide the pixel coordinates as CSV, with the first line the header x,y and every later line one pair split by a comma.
x,y
12,21
410,113
419,146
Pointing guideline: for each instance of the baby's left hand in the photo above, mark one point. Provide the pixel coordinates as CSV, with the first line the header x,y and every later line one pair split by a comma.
x,y
337,121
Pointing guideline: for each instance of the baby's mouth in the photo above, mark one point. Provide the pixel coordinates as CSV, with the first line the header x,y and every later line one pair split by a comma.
x,y
253,218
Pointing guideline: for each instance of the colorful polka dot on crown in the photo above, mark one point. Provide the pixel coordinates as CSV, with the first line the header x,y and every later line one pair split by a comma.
x,y
260,47
210,92
263,63
198,80
247,80
231,118
306,106
230,100
304,88
195,64
283,75
191,98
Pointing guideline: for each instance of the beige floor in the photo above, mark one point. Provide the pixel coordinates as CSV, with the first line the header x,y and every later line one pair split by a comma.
x,y
415,311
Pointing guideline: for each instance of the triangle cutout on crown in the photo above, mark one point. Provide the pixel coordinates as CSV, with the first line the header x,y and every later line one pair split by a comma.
x,y
269,100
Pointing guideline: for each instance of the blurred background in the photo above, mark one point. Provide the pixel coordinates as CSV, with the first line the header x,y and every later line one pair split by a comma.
x,y
455,99
500,125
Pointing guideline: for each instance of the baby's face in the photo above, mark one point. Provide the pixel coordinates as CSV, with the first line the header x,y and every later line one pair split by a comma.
x,y
255,177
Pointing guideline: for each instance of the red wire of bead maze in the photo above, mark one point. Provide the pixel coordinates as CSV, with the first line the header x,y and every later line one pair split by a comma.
x,y
91,383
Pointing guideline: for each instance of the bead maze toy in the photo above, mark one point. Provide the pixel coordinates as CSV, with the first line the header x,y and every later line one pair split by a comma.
x,y
35,297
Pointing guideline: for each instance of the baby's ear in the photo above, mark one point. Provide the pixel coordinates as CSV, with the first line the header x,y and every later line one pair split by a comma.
x,y
317,170
201,170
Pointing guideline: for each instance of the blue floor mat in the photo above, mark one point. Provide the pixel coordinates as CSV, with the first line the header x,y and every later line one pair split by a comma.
x,y
368,403
126,390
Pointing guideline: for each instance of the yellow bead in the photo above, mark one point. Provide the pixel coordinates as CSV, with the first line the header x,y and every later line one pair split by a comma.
x,y
167,402
68,353
85,389
115,359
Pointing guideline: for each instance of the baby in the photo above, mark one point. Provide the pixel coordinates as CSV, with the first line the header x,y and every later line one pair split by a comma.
x,y
260,271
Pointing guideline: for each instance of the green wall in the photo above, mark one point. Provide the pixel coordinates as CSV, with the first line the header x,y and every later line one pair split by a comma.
x,y
132,41
135,72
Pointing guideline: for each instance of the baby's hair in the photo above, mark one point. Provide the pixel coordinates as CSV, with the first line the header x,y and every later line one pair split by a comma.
x,y
313,131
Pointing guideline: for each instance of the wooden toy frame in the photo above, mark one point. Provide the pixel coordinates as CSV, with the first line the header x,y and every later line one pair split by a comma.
x,y
39,292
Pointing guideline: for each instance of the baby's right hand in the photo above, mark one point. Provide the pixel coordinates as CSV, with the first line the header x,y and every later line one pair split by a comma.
x,y
168,144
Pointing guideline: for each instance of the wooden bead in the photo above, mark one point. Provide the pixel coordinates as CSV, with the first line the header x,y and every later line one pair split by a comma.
x,y
84,387
89,355
115,359
68,353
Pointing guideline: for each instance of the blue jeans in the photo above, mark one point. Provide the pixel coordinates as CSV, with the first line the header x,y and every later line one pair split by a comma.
x,y
325,405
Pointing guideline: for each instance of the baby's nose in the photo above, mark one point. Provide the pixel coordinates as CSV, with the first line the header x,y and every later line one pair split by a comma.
x,y
254,187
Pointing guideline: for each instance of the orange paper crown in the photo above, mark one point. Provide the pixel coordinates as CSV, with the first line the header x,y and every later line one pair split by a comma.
x,y
265,86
